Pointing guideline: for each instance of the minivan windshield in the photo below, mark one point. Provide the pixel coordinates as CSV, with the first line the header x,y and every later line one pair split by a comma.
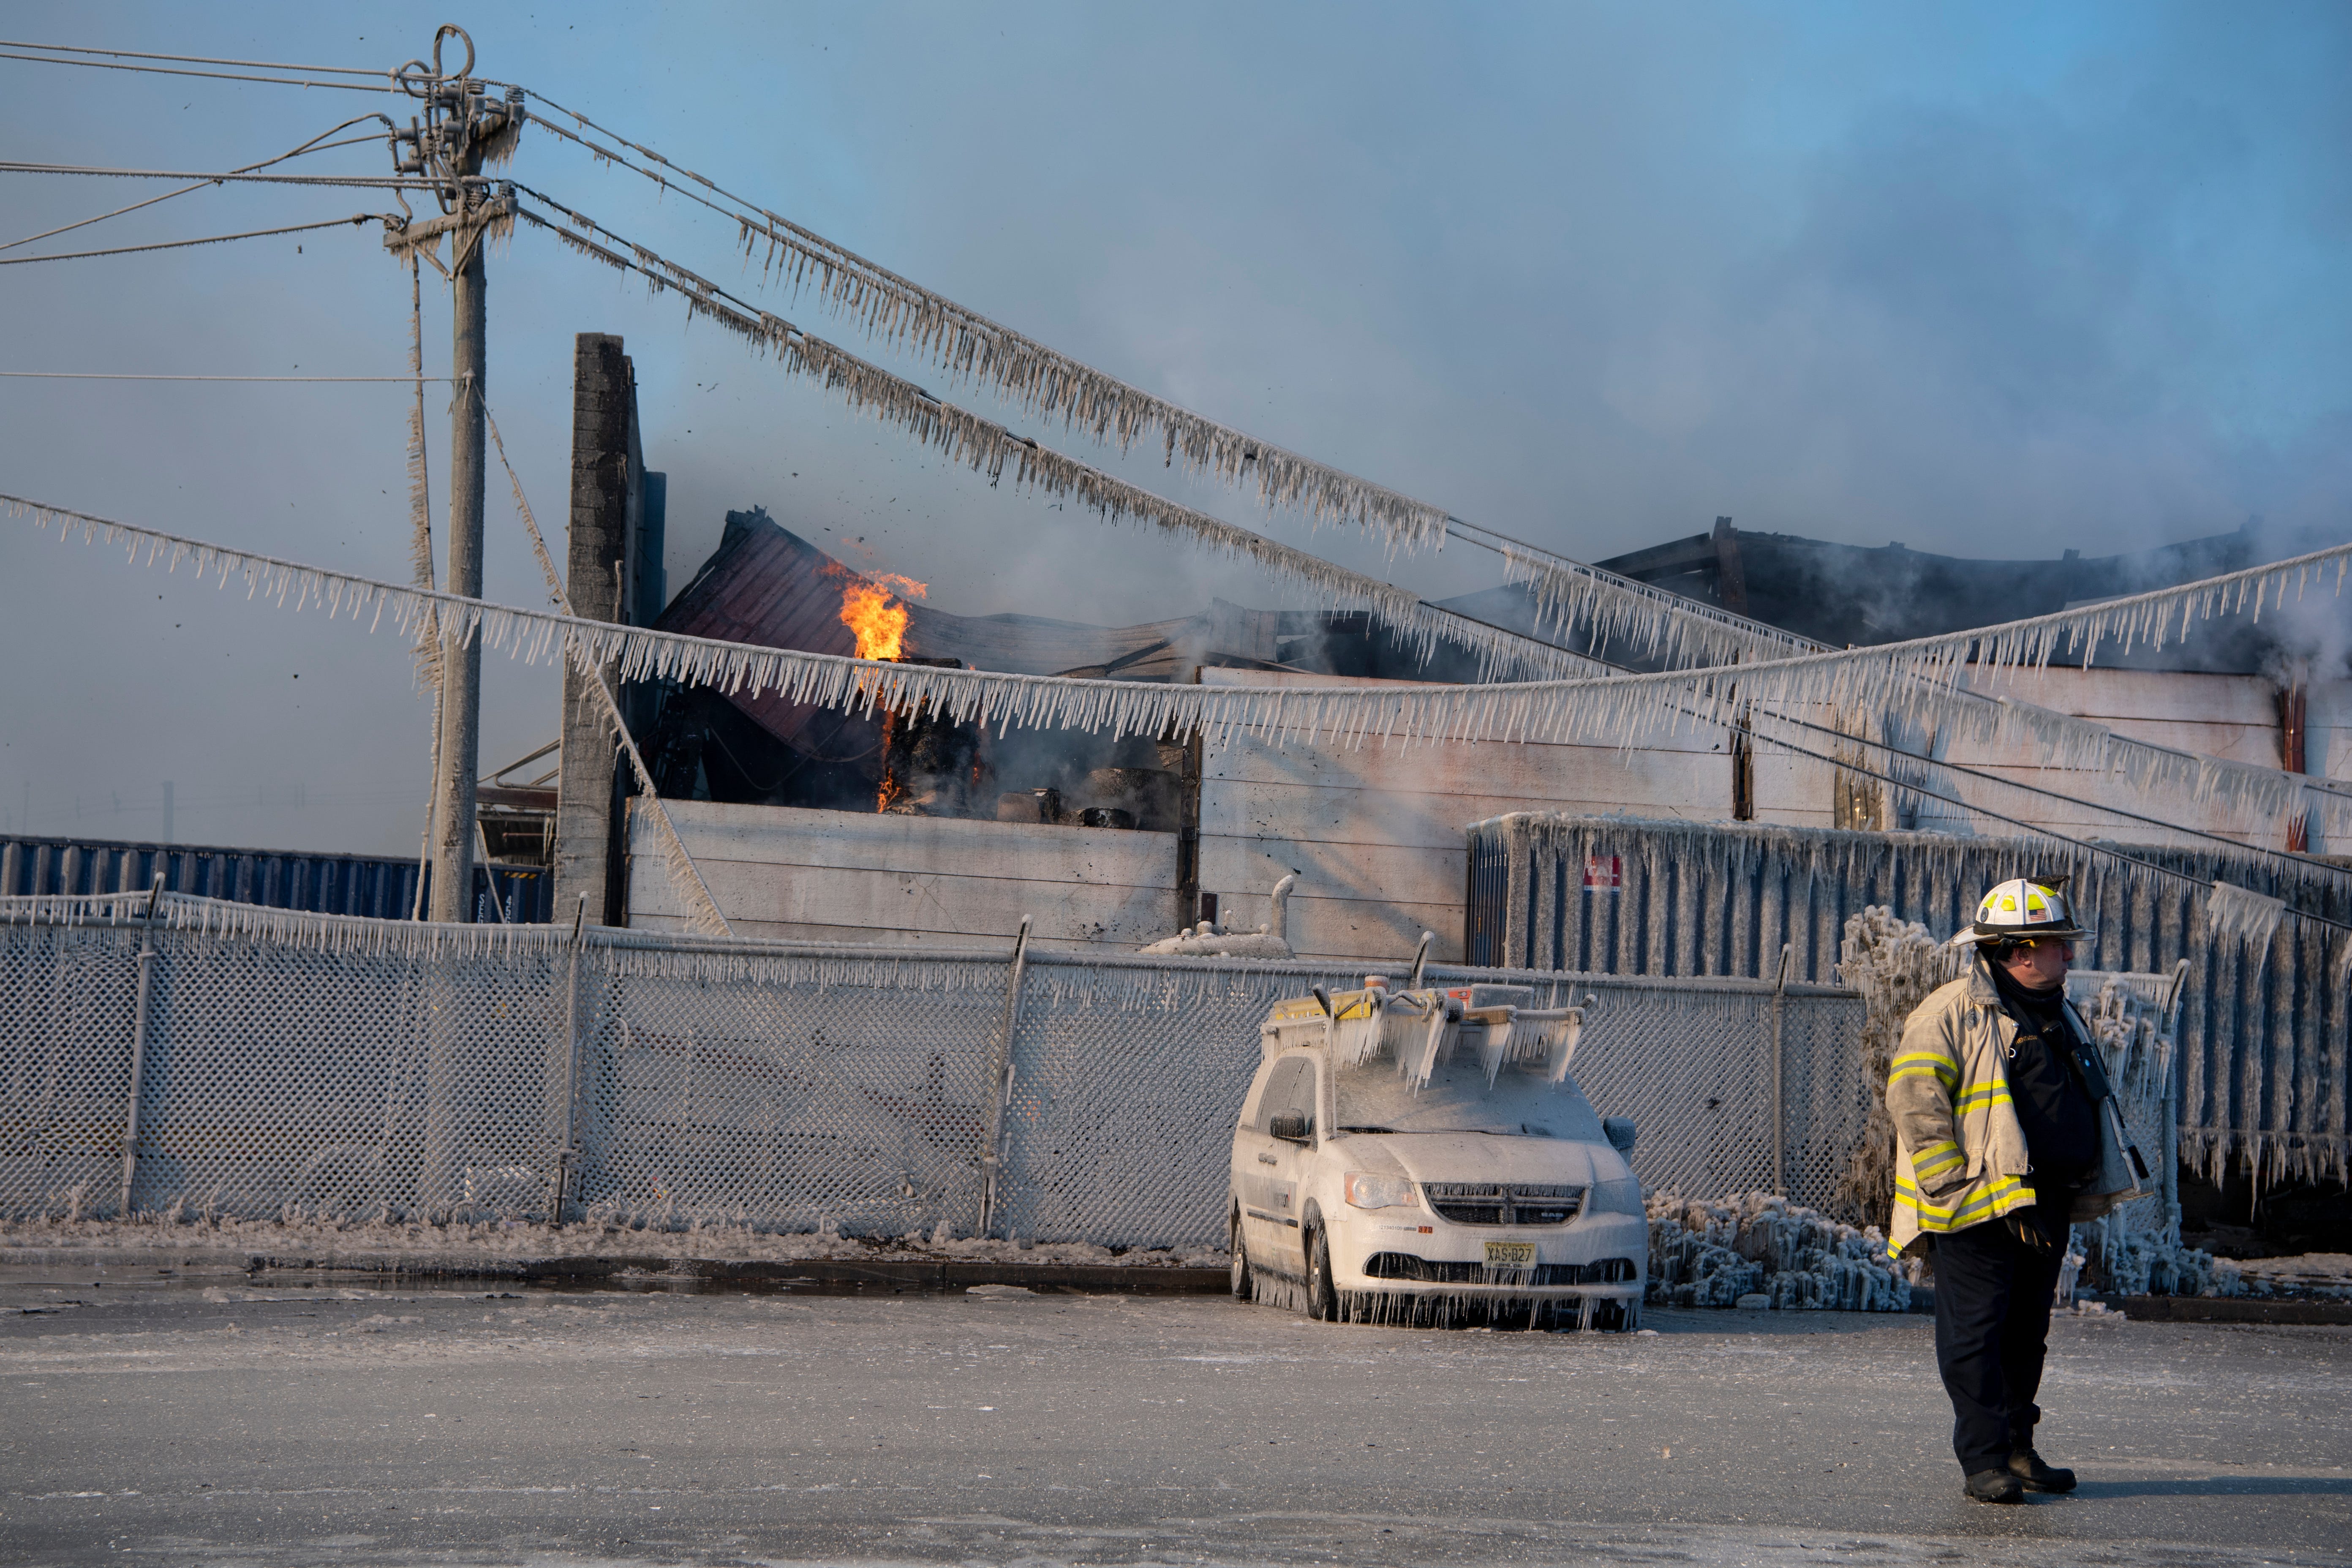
x,y
1373,1099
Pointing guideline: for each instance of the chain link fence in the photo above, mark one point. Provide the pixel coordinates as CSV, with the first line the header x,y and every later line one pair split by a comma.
x,y
297,1065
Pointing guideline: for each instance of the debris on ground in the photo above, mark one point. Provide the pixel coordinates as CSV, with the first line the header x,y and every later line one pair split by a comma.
x,y
1763,1250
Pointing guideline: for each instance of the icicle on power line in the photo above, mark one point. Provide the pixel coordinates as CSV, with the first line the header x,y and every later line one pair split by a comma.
x,y
1614,710
1918,680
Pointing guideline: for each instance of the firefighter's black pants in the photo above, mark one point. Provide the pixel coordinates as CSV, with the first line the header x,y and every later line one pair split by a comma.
x,y
1992,1317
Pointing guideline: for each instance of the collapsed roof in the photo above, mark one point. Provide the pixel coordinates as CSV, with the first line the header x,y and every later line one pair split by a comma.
x,y
766,585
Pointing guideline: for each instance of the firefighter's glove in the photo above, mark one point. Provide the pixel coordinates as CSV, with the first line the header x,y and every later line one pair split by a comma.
x,y
2036,1228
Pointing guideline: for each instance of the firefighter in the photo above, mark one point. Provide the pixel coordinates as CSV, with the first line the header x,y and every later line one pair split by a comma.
x,y
2008,1134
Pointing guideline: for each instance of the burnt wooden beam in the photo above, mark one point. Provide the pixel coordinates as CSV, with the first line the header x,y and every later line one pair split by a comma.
x,y
604,408
1730,576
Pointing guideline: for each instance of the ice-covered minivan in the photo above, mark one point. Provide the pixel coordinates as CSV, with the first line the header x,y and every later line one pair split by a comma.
x,y
1423,1156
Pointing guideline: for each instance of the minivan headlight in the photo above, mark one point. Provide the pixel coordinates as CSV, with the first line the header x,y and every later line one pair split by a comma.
x,y
1368,1192
1615,1197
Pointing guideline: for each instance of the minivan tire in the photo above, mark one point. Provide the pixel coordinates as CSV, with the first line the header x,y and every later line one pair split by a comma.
x,y
1322,1300
1244,1288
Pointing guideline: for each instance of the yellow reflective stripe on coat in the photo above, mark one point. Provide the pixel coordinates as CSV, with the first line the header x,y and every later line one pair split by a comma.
x,y
1977,1095
2004,1193
1925,1064
1937,1158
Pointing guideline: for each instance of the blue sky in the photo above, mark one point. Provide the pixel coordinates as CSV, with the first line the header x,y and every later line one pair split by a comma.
x,y
1993,280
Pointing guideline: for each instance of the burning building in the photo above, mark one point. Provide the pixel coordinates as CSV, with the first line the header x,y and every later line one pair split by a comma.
x,y
906,826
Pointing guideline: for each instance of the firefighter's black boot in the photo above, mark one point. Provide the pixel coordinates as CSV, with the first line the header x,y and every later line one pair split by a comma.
x,y
2027,1467
1996,1486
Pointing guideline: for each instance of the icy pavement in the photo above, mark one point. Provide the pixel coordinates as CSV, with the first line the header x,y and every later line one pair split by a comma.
x,y
174,1419
486,1245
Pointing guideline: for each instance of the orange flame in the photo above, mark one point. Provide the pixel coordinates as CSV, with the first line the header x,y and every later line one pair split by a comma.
x,y
870,608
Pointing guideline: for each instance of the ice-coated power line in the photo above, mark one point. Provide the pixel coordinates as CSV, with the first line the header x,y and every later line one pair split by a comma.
x,y
316,144
385,86
1919,677
189,59
356,218
232,177
141,375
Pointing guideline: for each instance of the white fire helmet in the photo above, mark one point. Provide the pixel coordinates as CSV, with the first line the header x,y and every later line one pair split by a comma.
x,y
2024,909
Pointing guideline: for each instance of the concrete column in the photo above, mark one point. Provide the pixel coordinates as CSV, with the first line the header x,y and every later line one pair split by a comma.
x,y
604,402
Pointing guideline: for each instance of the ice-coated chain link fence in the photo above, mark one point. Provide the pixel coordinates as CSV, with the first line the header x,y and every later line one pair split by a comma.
x,y
291,1063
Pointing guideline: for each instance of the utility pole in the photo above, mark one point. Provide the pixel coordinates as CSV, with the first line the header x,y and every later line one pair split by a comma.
x,y
461,127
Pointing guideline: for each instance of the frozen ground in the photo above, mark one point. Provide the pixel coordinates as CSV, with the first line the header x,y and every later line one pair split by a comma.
x,y
329,1244
202,1418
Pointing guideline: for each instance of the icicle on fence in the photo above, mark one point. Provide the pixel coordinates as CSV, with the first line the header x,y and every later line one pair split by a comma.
x,y
1893,963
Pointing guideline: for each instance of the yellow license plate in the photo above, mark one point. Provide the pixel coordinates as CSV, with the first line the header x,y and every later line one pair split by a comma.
x,y
1510,1254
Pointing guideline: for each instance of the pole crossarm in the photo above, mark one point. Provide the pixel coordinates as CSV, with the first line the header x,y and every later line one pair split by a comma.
x,y
493,217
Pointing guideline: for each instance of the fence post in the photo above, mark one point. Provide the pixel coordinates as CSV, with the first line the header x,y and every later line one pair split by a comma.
x,y
1781,1071
1000,1083
2170,1141
139,1043
566,1145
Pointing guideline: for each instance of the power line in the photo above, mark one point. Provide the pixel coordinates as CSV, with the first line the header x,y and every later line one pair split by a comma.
x,y
386,86
761,218
189,59
1893,751
233,177
862,286
2087,845
916,407
131,375
313,145
637,264
209,239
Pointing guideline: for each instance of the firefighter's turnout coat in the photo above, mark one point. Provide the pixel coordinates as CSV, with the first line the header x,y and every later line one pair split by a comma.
x,y
1960,1157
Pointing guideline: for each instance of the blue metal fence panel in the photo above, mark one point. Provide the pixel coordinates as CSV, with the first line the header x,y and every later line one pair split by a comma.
x,y
319,884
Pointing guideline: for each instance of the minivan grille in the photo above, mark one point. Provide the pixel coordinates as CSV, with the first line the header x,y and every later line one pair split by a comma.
x,y
1514,1202
1405,1265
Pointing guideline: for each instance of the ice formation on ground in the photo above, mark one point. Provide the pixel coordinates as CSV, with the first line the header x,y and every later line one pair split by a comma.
x,y
1710,1254
2311,1274
459,1245
2132,1259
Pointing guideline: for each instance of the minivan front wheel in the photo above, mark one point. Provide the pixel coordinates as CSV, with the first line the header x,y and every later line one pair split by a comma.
x,y
1244,1288
1322,1299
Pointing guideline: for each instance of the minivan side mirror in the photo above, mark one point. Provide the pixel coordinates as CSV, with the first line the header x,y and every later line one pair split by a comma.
x,y
1290,1129
1619,1131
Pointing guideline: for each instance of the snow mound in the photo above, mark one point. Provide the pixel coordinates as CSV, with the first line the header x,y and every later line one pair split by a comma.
x,y
1710,1254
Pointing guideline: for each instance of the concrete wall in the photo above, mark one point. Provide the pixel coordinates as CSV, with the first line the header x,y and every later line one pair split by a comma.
x,y
788,872
1376,832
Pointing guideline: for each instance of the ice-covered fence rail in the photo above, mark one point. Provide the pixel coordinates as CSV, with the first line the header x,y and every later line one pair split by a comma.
x,y
370,1068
